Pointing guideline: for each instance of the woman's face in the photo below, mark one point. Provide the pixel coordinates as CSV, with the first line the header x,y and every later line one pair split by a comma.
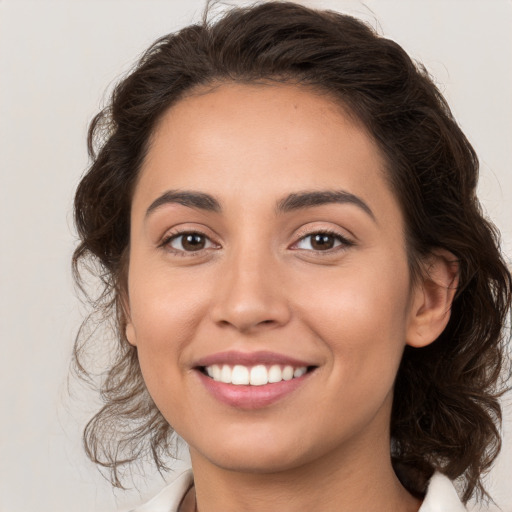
x,y
266,243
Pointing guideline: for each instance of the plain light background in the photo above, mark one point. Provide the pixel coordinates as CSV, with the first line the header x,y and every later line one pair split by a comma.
x,y
57,59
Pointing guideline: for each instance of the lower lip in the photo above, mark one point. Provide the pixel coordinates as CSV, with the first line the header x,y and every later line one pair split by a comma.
x,y
251,397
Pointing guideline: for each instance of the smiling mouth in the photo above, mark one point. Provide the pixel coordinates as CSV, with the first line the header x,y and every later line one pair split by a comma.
x,y
257,375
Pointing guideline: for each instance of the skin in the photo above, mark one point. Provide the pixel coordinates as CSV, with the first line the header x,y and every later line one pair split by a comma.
x,y
259,284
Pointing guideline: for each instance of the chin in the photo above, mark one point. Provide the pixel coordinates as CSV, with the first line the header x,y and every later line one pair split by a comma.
x,y
257,452
257,462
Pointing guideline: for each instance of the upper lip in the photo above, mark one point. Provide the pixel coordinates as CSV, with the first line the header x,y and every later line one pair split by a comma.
x,y
250,359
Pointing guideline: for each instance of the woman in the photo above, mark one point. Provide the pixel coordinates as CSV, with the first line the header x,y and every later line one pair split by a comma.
x,y
282,211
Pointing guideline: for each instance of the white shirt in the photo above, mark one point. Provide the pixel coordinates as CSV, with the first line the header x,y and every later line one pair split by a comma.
x,y
441,496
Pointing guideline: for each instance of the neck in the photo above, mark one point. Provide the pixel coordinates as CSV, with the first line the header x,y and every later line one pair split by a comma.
x,y
362,480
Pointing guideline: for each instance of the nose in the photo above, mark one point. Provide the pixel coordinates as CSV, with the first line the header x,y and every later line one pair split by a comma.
x,y
250,295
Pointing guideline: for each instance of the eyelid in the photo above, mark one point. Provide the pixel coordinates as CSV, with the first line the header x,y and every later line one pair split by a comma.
x,y
345,241
175,233
185,228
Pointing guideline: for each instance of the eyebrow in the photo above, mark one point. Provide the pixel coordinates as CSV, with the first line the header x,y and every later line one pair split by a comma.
x,y
292,202
197,200
300,200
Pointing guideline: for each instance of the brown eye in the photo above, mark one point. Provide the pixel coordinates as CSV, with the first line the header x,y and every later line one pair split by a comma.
x,y
193,242
322,241
189,242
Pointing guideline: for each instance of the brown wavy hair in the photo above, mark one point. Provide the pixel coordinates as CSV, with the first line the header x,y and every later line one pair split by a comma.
x,y
446,413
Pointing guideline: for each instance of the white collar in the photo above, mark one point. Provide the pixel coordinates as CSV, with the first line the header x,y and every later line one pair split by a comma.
x,y
441,496
169,498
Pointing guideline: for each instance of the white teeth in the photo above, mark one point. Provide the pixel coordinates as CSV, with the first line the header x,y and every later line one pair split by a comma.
x,y
216,372
240,375
225,374
299,372
258,375
288,373
275,374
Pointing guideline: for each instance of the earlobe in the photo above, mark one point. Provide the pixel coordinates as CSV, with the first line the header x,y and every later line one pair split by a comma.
x,y
432,298
130,334
129,330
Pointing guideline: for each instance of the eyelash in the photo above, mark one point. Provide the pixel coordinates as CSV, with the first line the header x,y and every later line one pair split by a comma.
x,y
173,236
344,242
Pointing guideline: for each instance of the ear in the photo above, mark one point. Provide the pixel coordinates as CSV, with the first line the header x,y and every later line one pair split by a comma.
x,y
432,298
129,329
130,333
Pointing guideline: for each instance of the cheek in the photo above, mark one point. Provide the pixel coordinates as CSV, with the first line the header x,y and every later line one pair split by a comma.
x,y
361,316
165,305
165,312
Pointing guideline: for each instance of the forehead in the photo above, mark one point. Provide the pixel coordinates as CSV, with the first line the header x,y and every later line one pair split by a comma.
x,y
243,142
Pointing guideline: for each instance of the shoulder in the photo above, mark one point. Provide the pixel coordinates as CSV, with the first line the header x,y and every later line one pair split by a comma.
x,y
169,499
441,496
